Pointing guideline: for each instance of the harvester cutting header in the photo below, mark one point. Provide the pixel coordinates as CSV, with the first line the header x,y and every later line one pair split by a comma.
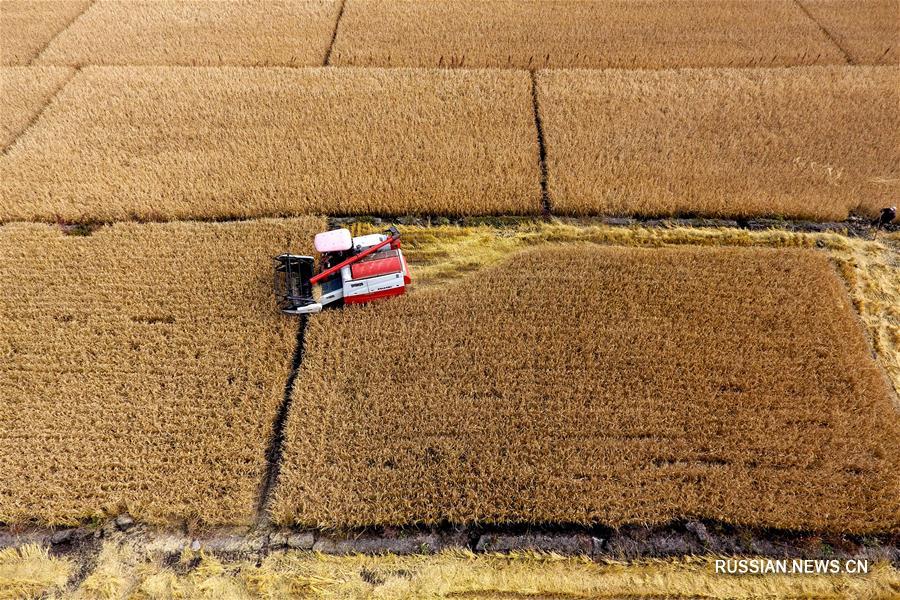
x,y
352,270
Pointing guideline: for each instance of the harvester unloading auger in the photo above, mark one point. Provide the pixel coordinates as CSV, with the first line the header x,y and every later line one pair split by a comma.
x,y
352,270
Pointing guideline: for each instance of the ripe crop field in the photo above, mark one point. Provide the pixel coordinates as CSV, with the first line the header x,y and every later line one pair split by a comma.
x,y
591,34
26,26
810,143
868,30
174,32
141,369
176,143
585,384
440,255
25,91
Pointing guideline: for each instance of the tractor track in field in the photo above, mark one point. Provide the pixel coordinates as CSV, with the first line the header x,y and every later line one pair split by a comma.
x,y
275,448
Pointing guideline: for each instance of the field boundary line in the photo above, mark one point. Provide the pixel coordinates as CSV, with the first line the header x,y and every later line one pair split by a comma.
x,y
831,38
850,228
334,34
57,34
275,447
546,207
40,111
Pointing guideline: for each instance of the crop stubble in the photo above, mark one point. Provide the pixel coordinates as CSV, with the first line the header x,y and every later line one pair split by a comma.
x,y
25,90
586,384
591,34
140,369
808,143
175,143
176,32
26,26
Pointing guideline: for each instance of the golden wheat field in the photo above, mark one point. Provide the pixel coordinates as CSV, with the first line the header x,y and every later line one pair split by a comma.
x,y
175,32
812,143
25,92
589,34
175,143
867,30
26,26
142,368
584,384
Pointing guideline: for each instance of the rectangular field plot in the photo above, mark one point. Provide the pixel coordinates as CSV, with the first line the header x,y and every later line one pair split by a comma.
x,y
141,369
26,26
173,143
807,143
590,384
589,34
869,30
176,32
25,91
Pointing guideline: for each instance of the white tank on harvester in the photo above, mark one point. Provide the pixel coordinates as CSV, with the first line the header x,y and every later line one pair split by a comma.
x,y
352,270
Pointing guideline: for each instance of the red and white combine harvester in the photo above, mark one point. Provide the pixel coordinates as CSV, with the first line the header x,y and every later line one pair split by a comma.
x,y
352,270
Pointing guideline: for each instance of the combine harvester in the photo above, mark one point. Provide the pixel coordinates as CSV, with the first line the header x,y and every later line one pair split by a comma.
x,y
353,270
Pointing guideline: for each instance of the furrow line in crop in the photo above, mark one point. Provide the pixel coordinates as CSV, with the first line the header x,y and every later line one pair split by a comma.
x,y
275,448
40,112
827,33
542,148
337,24
37,55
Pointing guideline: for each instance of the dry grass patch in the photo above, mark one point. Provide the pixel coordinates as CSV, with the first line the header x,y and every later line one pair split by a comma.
x,y
26,26
455,574
172,143
30,572
175,32
25,91
588,384
869,30
141,369
812,143
593,34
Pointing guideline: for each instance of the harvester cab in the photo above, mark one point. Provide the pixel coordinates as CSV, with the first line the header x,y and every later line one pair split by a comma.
x,y
352,270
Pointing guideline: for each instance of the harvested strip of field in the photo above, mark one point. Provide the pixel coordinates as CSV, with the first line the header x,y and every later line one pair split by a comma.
x,y
592,34
30,572
812,143
589,384
868,30
174,32
458,574
174,143
142,369
26,26
25,92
